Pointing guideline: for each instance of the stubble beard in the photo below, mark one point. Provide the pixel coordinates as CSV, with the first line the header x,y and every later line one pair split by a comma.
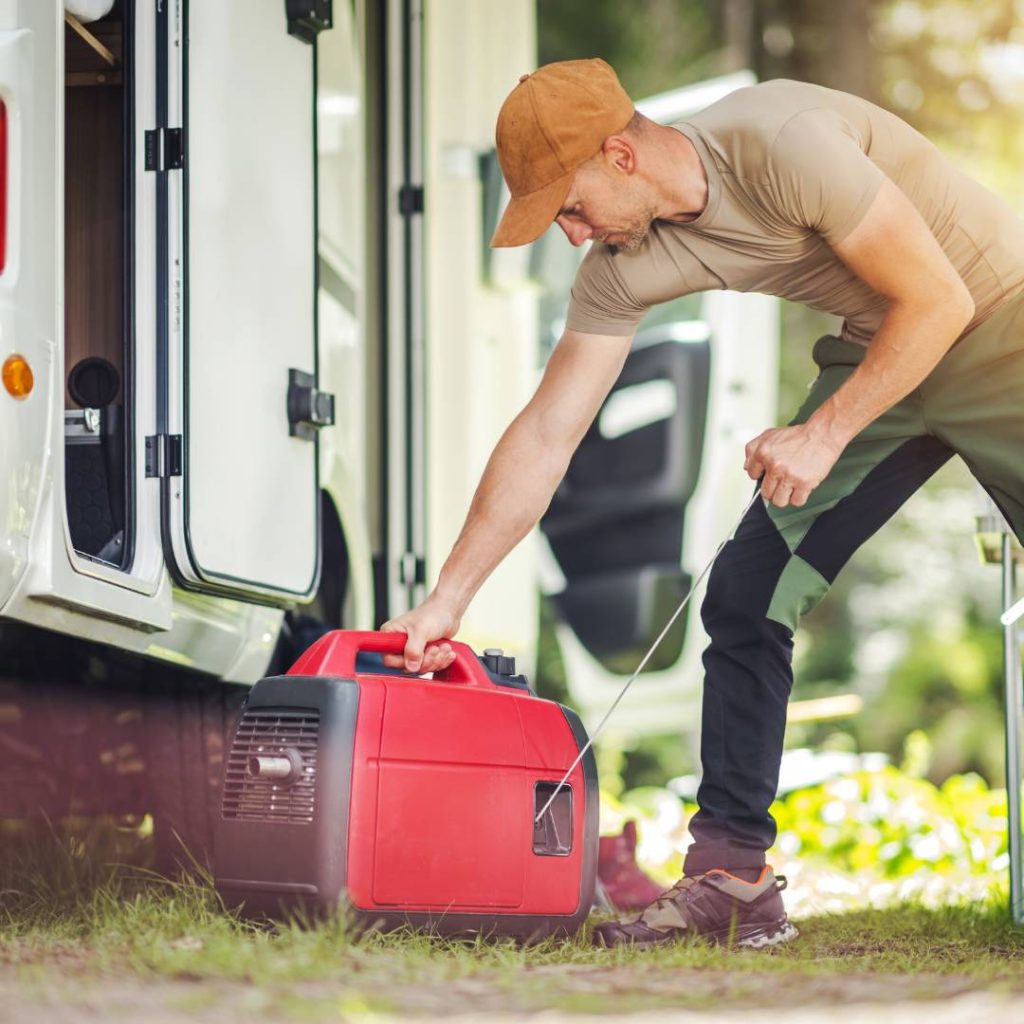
x,y
635,234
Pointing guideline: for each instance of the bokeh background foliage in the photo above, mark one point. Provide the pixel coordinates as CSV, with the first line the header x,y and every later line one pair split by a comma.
x,y
911,624
876,837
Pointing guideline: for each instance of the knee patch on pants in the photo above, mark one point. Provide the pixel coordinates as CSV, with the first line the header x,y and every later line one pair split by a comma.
x,y
799,589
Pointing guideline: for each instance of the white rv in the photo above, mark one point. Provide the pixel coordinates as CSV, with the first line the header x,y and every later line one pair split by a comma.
x,y
220,408
256,353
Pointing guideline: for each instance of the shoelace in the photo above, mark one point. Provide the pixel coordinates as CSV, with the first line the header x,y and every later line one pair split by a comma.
x,y
683,887
688,889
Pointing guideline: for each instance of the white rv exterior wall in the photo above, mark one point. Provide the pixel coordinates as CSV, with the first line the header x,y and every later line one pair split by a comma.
x,y
482,337
344,448
482,356
28,303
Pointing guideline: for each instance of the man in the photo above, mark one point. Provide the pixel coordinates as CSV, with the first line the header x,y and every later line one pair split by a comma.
x,y
793,190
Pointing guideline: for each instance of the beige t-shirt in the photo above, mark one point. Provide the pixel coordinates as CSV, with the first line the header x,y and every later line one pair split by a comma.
x,y
792,168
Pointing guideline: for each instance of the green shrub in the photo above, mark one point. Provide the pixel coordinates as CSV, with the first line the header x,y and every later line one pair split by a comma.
x,y
881,826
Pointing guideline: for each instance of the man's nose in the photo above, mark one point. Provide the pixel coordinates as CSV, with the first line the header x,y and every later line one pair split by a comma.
x,y
576,232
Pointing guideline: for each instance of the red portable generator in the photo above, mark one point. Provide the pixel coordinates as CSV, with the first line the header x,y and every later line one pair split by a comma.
x,y
403,800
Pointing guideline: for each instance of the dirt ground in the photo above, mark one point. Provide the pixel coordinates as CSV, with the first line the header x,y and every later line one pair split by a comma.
x,y
35,993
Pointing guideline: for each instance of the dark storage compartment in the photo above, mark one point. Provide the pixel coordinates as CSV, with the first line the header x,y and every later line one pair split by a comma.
x,y
97,282
616,522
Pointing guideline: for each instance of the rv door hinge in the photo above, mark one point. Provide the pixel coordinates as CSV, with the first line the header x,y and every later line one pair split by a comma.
x,y
165,149
410,200
163,455
412,569
309,408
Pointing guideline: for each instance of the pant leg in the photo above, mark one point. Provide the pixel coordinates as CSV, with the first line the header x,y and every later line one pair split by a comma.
x,y
974,401
776,568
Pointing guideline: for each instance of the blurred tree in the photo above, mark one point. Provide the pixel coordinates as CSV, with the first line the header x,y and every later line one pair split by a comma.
x,y
829,44
955,70
654,45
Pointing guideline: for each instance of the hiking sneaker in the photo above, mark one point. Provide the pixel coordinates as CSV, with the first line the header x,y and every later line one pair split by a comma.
x,y
717,905
625,884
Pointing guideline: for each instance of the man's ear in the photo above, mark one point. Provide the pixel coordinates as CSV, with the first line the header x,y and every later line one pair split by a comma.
x,y
620,153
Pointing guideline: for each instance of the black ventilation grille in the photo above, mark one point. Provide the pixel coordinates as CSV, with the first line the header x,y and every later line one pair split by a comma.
x,y
268,732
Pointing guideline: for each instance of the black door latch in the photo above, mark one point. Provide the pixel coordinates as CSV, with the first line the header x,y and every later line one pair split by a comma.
x,y
309,409
307,18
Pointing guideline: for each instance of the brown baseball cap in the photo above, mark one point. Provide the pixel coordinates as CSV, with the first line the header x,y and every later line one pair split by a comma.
x,y
553,121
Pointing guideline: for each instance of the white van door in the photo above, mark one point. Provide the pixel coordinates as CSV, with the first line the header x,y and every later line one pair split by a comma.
x,y
235,445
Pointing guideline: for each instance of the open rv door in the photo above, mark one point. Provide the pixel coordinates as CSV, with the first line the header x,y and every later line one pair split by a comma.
x,y
238,408
615,524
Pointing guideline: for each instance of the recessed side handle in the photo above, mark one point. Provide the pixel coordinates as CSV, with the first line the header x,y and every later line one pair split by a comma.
x,y
552,831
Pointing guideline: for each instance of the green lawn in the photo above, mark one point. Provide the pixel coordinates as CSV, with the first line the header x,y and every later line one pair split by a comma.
x,y
75,919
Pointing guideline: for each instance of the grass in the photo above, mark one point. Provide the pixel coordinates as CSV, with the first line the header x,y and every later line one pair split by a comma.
x,y
82,912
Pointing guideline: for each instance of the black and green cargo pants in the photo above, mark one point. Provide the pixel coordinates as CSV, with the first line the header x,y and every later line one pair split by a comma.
x,y
782,560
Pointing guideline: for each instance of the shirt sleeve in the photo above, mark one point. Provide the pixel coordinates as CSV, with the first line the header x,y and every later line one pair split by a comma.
x,y
820,175
600,302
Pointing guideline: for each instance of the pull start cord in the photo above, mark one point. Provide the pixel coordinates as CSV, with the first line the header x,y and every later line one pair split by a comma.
x,y
646,657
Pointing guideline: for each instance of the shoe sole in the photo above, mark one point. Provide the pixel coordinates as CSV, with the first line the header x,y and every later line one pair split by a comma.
x,y
786,933
747,937
756,937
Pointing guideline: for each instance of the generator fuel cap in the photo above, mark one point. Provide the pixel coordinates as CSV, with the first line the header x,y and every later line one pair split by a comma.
x,y
498,662
501,667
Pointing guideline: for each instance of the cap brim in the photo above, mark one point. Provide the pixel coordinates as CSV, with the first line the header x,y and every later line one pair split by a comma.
x,y
527,217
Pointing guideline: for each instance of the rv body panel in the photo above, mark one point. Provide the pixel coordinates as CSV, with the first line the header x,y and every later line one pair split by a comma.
x,y
481,305
345,349
28,303
53,585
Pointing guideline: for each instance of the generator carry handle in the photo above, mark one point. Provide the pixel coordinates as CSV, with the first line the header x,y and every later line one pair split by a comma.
x,y
334,654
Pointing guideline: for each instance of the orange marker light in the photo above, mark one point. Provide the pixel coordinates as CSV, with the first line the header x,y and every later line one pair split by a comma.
x,y
17,375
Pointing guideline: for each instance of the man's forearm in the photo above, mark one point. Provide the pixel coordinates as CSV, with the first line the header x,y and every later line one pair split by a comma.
x,y
905,349
514,491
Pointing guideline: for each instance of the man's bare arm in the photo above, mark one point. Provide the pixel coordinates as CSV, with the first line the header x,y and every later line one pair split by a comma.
x,y
894,251
530,459
516,487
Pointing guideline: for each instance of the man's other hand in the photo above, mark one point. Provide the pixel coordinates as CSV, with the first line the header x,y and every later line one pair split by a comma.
x,y
792,460
432,620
